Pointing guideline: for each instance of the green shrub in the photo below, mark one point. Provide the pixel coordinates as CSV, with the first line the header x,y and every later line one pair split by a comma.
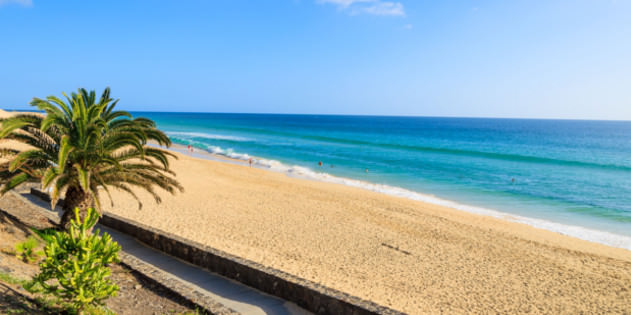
x,y
76,270
27,250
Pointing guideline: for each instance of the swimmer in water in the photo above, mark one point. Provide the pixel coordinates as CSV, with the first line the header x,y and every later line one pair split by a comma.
x,y
320,163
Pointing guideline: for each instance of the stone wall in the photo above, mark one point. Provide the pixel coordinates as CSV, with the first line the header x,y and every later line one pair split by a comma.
x,y
306,294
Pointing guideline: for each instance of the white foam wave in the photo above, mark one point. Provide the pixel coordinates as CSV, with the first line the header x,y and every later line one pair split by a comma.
x,y
602,237
228,153
206,136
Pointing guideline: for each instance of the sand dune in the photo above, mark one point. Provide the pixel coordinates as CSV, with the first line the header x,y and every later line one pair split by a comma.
x,y
411,256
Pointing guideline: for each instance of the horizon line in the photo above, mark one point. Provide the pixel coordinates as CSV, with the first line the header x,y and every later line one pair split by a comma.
x,y
358,115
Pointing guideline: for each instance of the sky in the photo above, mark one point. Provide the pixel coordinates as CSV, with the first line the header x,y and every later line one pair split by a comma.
x,y
469,58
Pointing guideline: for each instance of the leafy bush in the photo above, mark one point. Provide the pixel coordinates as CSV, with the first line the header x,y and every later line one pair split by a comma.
x,y
27,250
76,270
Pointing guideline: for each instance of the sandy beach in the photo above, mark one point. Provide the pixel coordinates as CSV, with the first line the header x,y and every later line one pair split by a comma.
x,y
412,256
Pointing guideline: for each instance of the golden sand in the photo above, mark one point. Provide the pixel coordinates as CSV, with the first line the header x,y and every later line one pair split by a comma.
x,y
412,256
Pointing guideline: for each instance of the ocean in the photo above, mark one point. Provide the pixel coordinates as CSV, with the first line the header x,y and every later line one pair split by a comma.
x,y
568,176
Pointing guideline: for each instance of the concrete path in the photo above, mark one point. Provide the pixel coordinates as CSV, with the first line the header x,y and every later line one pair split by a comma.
x,y
231,294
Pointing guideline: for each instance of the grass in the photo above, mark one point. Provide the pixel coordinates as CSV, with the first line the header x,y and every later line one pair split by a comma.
x,y
20,304
45,234
98,310
27,250
5,277
40,303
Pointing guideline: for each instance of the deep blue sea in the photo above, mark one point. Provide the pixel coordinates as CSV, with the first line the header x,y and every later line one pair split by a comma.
x,y
569,176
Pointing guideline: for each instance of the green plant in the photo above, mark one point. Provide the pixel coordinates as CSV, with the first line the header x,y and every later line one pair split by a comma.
x,y
8,278
45,304
45,234
27,250
83,147
76,270
98,310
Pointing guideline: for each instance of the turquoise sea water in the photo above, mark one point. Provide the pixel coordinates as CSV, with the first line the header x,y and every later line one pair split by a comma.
x,y
569,176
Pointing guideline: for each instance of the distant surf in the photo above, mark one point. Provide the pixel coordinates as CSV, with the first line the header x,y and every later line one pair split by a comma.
x,y
205,136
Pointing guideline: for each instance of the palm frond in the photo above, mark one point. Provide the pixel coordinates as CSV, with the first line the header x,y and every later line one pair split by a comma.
x,y
83,145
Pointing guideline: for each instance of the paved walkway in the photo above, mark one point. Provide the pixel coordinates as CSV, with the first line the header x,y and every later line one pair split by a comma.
x,y
231,294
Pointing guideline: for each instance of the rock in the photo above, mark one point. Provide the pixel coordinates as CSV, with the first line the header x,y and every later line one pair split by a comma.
x,y
138,286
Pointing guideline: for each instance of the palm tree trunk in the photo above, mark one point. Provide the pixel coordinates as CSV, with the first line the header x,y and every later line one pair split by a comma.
x,y
75,198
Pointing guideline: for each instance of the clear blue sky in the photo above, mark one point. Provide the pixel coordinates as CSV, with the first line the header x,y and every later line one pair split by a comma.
x,y
548,58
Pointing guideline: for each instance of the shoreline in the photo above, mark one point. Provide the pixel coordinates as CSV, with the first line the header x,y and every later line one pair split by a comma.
x,y
579,232
408,255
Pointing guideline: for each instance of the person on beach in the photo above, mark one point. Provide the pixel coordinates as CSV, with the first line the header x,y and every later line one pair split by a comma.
x,y
188,148
250,161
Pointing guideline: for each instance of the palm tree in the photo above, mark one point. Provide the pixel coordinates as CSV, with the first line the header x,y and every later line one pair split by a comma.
x,y
83,147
